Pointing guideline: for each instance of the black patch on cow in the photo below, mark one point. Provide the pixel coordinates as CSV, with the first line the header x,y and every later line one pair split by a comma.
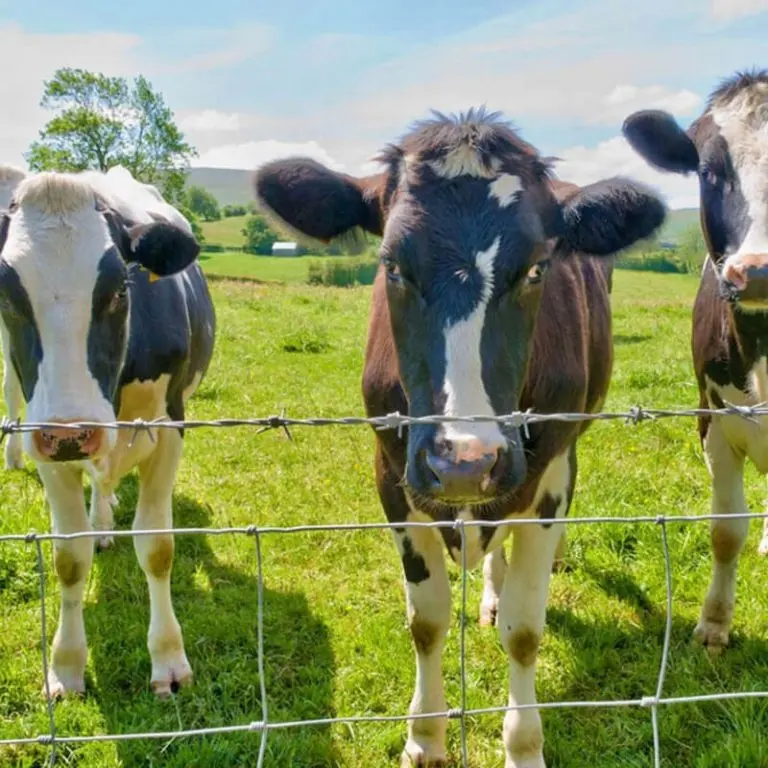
x,y
547,507
715,399
414,566
26,350
108,329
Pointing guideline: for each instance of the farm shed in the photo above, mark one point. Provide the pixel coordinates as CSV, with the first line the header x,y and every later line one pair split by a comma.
x,y
285,249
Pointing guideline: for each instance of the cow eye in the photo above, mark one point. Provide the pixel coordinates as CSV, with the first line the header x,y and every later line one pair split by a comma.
x,y
392,268
537,271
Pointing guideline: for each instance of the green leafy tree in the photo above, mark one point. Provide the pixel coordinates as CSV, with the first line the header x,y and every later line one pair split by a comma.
x,y
203,203
259,238
101,121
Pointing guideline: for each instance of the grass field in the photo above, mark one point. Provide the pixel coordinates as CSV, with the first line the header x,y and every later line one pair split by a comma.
x,y
335,636
281,269
227,232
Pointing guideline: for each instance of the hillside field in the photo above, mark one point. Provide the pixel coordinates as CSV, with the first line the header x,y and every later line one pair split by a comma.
x,y
335,640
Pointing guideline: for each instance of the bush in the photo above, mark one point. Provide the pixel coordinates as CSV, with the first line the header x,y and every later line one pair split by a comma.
x,y
203,203
228,211
259,238
343,272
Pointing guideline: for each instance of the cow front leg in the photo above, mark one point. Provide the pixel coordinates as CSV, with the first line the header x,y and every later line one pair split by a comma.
x,y
72,561
14,401
522,610
428,599
727,537
494,568
102,515
157,474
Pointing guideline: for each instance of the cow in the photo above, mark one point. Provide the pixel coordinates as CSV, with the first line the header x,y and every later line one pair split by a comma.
x,y
726,146
10,177
492,295
108,317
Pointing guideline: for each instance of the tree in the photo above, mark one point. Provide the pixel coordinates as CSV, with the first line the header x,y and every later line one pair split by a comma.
x,y
203,203
104,121
259,238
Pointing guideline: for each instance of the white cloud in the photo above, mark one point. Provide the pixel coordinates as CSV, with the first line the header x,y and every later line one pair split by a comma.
x,y
211,121
28,59
625,99
251,154
728,10
614,157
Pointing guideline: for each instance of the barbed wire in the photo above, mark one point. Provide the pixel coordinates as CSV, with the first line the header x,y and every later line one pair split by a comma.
x,y
390,421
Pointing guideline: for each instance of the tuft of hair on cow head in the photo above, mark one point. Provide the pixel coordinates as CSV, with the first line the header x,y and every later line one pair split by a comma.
x,y
608,216
656,136
316,205
160,247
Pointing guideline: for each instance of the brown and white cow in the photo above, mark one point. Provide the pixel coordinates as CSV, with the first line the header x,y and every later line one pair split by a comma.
x,y
481,306
727,147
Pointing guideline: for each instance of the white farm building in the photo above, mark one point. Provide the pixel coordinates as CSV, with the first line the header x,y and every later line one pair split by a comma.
x,y
285,249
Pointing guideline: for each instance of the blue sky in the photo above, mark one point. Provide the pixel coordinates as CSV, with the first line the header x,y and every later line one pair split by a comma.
x,y
336,79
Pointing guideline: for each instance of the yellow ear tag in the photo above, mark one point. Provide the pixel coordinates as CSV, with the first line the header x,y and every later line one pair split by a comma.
x,y
153,277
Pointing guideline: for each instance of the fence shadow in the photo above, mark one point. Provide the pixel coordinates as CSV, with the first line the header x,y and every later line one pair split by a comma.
x,y
216,604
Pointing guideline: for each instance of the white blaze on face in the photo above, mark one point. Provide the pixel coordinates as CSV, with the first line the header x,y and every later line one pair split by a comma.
x,y
463,388
56,255
744,125
505,189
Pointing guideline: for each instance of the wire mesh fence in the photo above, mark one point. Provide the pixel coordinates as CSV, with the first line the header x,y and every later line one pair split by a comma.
x,y
263,726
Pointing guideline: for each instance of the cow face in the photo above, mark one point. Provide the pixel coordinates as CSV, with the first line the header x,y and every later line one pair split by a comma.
x,y
727,147
469,227
67,264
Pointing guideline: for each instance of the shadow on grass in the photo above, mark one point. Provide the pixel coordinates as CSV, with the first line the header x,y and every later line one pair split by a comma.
x,y
216,605
629,338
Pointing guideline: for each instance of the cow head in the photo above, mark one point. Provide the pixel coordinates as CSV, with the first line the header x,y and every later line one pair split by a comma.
x,y
68,264
727,147
469,225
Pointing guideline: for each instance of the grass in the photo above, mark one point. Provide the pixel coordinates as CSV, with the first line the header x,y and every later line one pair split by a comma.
x,y
282,269
227,232
335,637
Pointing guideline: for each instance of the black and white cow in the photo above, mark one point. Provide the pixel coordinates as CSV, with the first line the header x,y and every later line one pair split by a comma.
x,y
10,178
727,147
487,300
93,336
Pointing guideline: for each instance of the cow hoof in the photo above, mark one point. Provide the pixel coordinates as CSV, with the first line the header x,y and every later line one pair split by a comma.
x,y
488,614
168,678
61,683
712,635
424,755
104,542
525,762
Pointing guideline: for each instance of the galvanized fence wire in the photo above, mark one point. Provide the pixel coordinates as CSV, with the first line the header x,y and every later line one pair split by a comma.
x,y
391,421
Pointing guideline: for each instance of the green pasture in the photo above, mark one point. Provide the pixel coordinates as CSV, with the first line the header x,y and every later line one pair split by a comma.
x,y
335,640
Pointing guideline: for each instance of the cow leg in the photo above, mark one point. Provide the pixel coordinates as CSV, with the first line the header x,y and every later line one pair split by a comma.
x,y
727,537
522,611
428,598
72,561
101,515
14,401
494,568
157,474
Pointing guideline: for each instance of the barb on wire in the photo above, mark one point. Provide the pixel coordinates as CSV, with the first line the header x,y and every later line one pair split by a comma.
x,y
8,427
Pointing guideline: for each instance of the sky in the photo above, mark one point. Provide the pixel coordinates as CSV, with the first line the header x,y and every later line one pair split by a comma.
x,y
249,80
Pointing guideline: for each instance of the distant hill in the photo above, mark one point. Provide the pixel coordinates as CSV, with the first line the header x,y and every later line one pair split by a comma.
x,y
229,187
233,187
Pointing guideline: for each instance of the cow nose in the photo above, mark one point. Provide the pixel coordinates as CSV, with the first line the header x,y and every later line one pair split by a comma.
x,y
67,444
467,474
746,278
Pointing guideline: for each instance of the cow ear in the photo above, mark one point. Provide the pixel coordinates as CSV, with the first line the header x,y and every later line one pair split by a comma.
x,y
656,136
609,216
314,204
160,247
